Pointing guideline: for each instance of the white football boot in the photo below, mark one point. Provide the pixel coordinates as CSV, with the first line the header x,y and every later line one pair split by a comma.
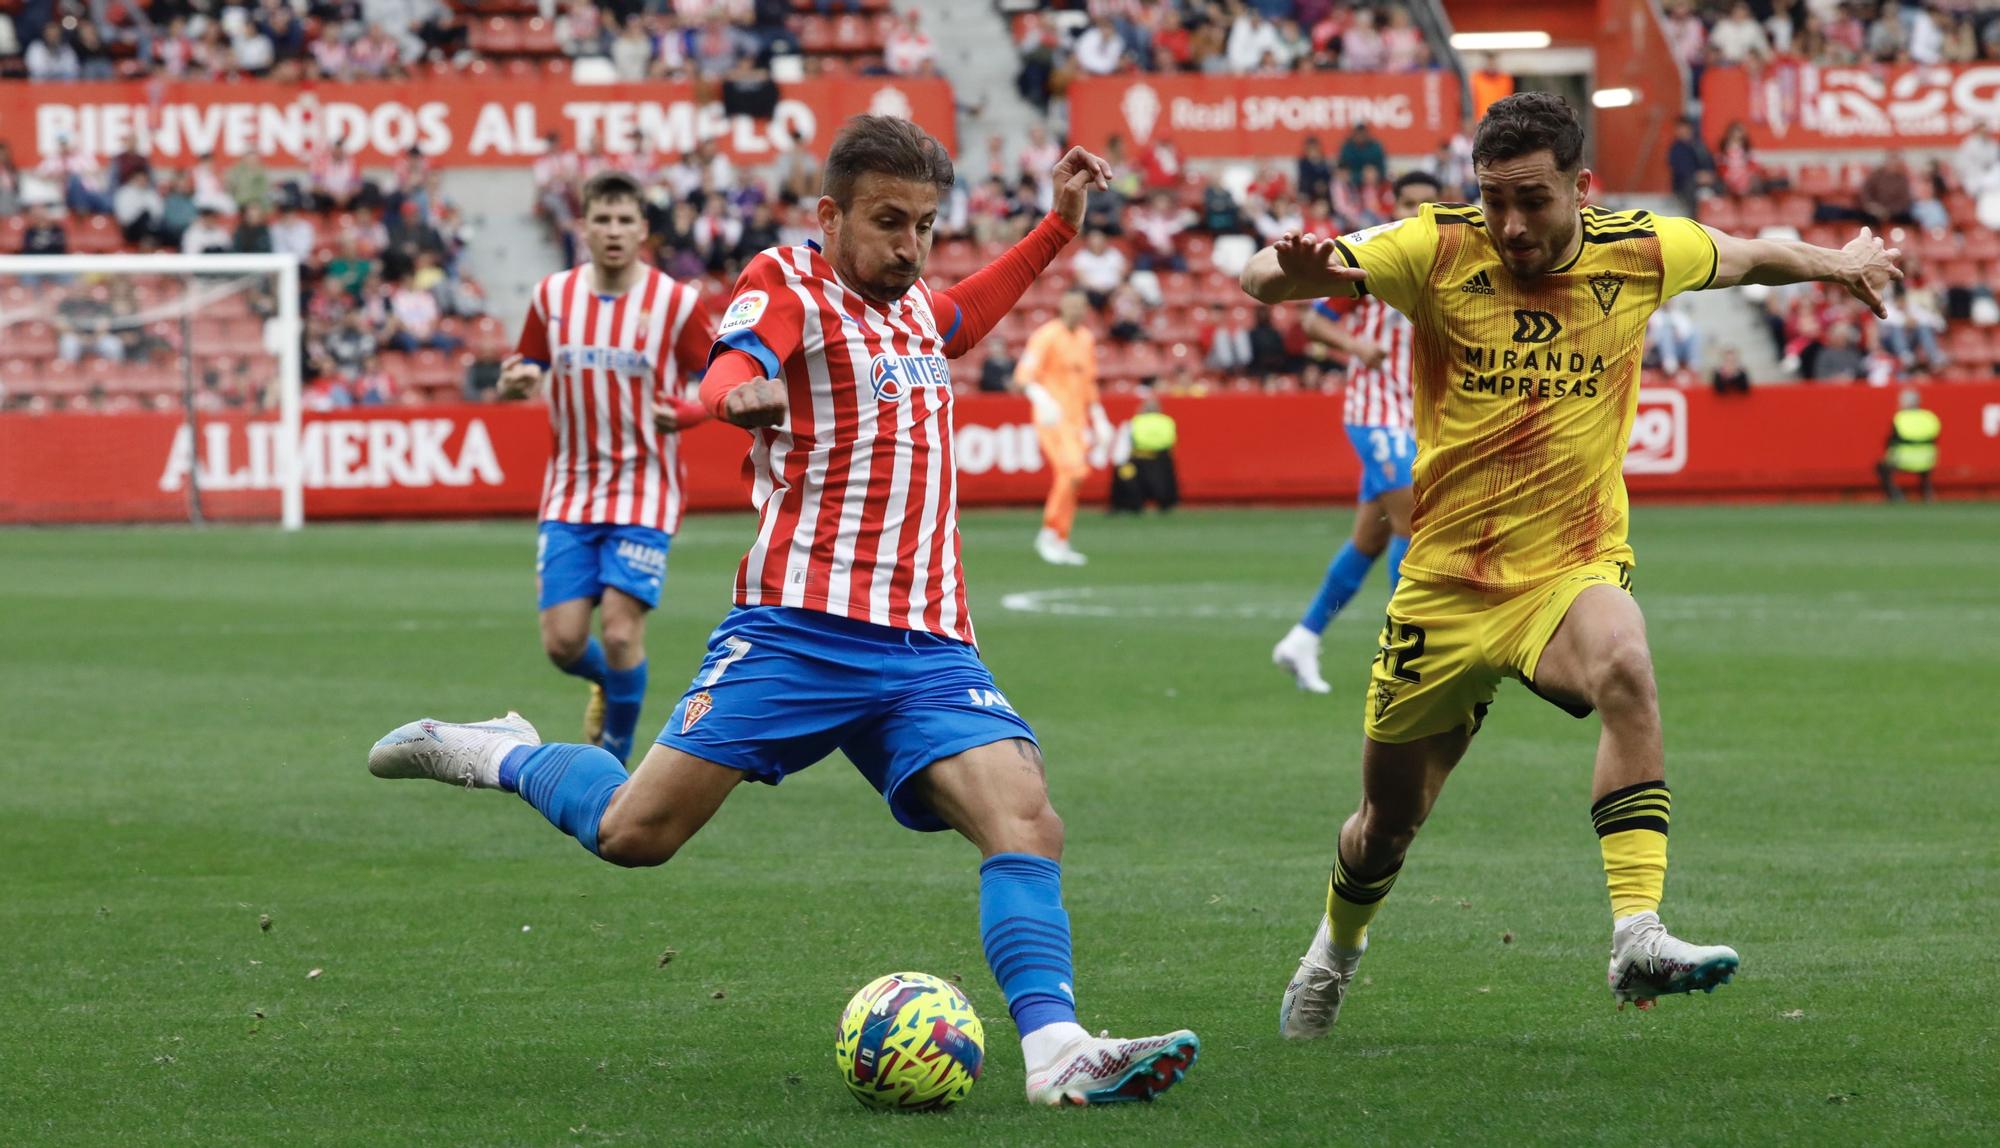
x,y
467,755
1055,550
1105,1070
1649,962
1312,999
1297,653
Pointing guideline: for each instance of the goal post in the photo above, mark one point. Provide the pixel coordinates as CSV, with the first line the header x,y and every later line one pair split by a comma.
x,y
51,339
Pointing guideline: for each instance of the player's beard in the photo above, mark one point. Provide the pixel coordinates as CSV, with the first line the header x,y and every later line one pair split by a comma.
x,y
1544,258
894,281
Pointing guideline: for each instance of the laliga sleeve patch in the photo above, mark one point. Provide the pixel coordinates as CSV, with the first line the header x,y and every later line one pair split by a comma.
x,y
1369,233
744,311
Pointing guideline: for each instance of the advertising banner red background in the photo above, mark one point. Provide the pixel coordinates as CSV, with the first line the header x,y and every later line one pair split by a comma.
x,y
1226,116
1807,106
456,120
487,459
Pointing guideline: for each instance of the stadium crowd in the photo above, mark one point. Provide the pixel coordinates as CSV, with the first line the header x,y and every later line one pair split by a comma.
x,y
390,316
1738,33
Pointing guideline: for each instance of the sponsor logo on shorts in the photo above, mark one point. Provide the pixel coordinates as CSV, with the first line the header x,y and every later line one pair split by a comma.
x,y
697,707
989,699
645,559
1385,693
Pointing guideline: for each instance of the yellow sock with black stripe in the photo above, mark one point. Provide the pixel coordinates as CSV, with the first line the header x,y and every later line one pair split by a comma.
x,y
1351,904
1632,832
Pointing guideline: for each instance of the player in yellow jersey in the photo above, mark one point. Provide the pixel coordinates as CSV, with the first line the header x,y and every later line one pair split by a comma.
x,y
1530,315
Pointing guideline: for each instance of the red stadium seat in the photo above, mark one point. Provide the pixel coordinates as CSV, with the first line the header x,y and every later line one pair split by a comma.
x,y
488,339
1967,344
1816,180
815,34
1195,247
35,340
1963,209
495,36
17,375
1979,243
538,38
96,235
396,365
1755,215
1795,211
1720,213
1957,272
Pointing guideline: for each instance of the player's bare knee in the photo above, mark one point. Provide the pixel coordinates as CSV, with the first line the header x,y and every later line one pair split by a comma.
x,y
1385,837
564,649
622,645
633,846
1624,679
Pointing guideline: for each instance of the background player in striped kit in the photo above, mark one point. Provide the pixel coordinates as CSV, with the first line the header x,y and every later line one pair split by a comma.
x,y
614,340
850,630
1376,339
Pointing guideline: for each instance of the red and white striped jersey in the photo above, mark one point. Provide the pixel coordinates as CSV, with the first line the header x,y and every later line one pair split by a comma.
x,y
857,490
611,360
1379,397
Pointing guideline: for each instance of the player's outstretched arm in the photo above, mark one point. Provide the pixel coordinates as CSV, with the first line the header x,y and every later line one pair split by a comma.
x,y
1300,266
1865,266
976,305
519,378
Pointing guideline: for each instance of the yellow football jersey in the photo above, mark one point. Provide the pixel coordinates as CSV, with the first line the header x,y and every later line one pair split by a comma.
x,y
1525,390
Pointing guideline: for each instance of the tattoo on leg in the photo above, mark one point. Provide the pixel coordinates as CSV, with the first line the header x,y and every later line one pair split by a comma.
x,y
1029,753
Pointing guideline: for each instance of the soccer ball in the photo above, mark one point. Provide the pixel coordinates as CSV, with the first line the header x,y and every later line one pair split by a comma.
x,y
909,1042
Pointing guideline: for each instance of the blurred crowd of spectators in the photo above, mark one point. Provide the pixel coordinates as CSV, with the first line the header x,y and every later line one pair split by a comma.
x,y
1065,41
1736,33
208,39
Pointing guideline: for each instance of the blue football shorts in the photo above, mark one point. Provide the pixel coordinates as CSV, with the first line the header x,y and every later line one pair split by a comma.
x,y
782,688
1387,455
574,560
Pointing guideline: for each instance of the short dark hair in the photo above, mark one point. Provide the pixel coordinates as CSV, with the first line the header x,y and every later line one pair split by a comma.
x,y
609,185
1414,177
1525,123
883,145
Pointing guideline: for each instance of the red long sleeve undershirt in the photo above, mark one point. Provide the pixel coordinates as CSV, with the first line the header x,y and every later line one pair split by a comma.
x,y
969,310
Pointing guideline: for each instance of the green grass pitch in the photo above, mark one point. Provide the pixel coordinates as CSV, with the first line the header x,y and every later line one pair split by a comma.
x,y
187,715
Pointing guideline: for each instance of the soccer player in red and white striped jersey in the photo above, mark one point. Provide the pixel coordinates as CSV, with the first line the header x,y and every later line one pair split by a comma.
x,y
850,630
1377,341
611,344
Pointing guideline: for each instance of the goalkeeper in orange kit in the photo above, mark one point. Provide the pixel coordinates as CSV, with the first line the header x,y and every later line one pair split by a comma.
x,y
1058,373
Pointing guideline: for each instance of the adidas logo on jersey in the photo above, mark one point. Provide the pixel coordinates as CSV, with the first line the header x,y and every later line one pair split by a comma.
x,y
1481,283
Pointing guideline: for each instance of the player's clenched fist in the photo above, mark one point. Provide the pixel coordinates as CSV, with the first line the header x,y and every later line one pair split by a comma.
x,y
757,403
518,377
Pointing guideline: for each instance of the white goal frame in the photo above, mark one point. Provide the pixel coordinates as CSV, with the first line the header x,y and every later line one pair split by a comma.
x,y
292,502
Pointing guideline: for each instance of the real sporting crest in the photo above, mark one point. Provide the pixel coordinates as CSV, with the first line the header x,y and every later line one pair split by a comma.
x,y
697,707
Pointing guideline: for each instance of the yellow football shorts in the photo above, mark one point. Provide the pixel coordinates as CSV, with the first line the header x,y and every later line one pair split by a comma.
x,y
1444,649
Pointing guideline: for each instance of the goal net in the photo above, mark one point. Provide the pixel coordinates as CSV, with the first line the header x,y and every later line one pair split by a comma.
x,y
150,388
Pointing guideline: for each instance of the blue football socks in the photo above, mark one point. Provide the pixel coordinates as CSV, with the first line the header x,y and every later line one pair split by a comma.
x,y
571,785
1344,576
590,665
1399,544
624,693
1026,934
